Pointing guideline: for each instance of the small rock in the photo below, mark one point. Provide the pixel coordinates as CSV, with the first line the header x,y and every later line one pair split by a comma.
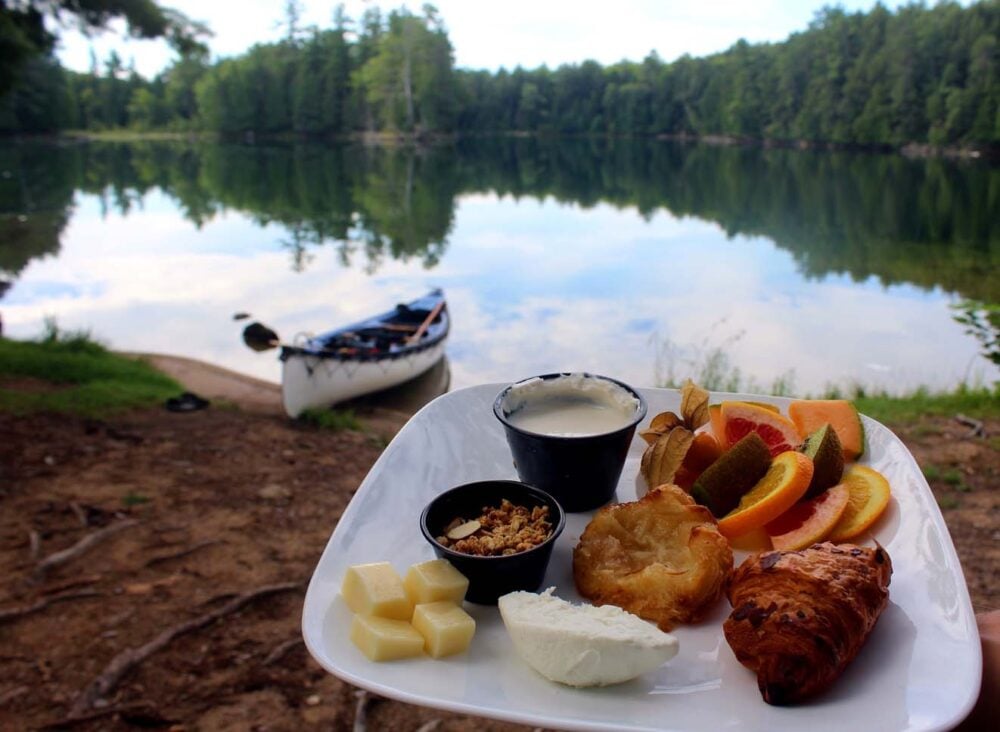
x,y
100,703
273,491
49,460
312,700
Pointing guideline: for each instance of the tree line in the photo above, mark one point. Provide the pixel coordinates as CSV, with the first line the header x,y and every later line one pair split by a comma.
x,y
919,74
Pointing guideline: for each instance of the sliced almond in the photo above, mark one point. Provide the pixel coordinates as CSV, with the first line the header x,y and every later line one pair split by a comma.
x,y
463,530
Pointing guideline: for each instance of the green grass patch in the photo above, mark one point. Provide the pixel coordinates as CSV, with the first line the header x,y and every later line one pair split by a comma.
x,y
331,419
978,403
71,373
948,502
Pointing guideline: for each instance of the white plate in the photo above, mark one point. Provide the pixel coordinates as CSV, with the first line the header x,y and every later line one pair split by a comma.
x,y
919,670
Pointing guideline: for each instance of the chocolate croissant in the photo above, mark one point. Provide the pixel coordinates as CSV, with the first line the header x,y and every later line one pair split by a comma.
x,y
799,617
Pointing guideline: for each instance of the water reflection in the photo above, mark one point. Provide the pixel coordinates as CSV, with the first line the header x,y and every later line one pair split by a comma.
x,y
812,267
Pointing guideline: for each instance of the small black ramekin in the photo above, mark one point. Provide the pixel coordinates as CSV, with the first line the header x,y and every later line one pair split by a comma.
x,y
581,472
491,577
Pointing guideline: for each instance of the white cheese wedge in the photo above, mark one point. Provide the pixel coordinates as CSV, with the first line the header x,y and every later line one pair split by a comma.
x,y
582,645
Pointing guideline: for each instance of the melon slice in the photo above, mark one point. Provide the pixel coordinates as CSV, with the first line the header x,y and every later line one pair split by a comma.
x,y
741,418
811,414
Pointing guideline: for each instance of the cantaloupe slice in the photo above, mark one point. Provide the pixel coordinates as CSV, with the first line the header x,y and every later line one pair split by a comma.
x,y
811,414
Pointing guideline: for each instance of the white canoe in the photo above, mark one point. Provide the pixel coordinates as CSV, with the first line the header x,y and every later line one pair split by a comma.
x,y
365,357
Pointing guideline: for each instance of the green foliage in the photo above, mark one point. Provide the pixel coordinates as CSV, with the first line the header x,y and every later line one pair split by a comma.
x,y
883,78
25,33
71,373
335,420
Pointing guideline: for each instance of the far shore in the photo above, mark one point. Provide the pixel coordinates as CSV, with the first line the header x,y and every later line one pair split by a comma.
x,y
420,139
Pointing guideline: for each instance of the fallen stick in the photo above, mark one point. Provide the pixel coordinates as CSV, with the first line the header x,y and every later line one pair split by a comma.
x,y
12,694
128,659
429,726
80,514
280,651
34,545
19,612
182,553
361,710
87,542
98,714
978,430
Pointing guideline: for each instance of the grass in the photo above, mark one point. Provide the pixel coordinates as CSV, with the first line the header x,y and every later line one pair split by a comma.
x,y
331,419
975,402
78,376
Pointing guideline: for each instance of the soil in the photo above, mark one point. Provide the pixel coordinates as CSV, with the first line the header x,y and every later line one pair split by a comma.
x,y
189,510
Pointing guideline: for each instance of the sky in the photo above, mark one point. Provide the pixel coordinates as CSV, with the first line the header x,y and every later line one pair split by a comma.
x,y
489,35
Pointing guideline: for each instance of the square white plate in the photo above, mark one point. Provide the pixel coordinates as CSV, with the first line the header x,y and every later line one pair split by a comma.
x,y
919,670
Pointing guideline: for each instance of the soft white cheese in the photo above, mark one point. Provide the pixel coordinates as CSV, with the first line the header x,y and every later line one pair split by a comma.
x,y
582,645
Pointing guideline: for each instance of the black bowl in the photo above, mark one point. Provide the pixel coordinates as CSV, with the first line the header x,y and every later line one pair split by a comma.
x,y
491,577
581,472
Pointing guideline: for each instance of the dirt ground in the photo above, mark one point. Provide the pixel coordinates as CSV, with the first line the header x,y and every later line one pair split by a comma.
x,y
205,528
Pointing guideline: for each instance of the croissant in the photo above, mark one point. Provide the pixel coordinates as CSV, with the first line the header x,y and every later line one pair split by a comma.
x,y
799,617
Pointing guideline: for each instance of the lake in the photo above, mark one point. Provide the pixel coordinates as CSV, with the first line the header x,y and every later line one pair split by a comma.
x,y
650,261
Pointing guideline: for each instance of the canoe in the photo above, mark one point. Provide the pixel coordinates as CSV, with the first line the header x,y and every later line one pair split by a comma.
x,y
364,357
368,356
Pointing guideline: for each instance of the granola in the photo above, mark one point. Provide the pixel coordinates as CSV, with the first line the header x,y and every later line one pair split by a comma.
x,y
503,530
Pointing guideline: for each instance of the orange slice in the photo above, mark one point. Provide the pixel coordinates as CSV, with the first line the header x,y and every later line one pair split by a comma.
x,y
810,521
740,418
869,495
781,487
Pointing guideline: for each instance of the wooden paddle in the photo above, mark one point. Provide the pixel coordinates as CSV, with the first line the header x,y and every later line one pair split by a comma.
x,y
415,338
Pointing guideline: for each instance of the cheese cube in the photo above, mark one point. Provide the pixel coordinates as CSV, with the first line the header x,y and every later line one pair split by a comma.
x,y
445,627
376,589
384,639
434,581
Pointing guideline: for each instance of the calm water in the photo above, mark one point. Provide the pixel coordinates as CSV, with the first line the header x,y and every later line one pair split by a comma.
x,y
649,261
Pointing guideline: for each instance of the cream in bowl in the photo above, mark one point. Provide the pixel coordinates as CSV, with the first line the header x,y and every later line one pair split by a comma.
x,y
569,434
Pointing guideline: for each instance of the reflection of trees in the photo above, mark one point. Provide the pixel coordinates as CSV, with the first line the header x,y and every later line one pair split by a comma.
x,y
931,223
36,195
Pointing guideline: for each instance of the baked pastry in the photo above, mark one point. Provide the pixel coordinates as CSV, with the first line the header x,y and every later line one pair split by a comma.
x,y
660,558
799,617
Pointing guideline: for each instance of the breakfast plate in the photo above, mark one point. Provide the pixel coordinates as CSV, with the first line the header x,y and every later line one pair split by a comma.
x,y
919,670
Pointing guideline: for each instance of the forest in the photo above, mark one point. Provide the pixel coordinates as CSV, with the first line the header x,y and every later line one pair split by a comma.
x,y
917,74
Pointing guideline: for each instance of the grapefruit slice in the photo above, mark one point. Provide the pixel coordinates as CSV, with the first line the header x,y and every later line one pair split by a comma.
x,y
784,483
810,521
811,414
740,418
869,495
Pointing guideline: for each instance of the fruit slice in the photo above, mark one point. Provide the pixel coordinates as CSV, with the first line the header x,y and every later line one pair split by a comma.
x,y
703,452
741,418
869,495
823,447
811,414
736,471
807,522
781,487
718,424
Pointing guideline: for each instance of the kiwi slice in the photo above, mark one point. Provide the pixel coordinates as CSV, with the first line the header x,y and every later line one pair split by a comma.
x,y
733,474
823,446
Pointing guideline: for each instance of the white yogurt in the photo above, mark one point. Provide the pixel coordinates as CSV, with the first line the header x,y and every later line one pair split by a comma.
x,y
570,406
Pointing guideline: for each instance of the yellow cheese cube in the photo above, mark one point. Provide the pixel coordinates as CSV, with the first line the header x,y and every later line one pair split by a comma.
x,y
434,581
384,639
445,627
376,589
